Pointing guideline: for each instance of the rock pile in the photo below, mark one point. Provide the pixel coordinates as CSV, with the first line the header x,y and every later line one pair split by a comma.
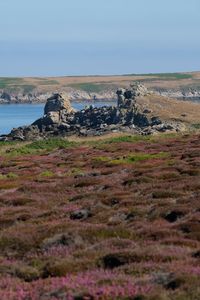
x,y
60,119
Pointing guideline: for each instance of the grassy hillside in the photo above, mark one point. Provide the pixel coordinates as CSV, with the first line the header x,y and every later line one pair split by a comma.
x,y
171,109
114,218
99,83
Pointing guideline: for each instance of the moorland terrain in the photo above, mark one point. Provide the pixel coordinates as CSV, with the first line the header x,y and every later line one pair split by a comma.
x,y
107,217
34,89
113,217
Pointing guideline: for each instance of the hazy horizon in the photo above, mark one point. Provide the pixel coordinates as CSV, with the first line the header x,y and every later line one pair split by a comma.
x,y
81,38
101,75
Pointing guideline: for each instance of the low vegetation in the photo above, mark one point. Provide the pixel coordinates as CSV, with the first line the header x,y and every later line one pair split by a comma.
x,y
165,76
6,82
196,126
37,146
90,87
184,82
114,218
171,76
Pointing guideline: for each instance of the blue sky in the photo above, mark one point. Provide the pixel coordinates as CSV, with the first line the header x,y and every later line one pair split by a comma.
x,y
81,37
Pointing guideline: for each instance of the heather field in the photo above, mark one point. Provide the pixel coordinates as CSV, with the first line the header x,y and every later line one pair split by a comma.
x,y
112,218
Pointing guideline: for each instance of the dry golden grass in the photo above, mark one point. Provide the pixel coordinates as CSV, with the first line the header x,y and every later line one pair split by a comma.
x,y
171,109
47,83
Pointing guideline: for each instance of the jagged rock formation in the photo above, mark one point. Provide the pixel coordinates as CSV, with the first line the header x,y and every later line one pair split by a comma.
x,y
60,119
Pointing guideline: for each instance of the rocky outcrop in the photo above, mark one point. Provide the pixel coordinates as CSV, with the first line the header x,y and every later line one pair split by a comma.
x,y
127,97
14,97
5,97
60,119
78,95
189,94
40,97
57,103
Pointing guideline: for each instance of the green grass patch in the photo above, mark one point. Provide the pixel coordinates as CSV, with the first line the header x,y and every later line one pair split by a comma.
x,y
7,82
90,87
42,146
133,158
164,76
120,139
137,138
15,84
143,156
136,157
12,175
127,138
102,159
172,76
132,139
3,143
47,174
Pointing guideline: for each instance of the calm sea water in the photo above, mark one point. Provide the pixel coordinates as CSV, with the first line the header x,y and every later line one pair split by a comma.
x,y
15,115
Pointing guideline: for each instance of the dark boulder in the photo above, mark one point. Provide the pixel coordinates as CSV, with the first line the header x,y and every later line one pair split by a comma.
x,y
173,216
80,214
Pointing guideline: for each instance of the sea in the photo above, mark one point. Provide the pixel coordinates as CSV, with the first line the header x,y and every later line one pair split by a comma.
x,y
15,115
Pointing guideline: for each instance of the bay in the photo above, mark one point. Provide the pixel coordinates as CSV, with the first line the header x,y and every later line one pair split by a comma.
x,y
15,115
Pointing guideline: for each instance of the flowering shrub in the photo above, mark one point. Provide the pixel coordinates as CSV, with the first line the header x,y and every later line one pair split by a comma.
x,y
136,231
98,284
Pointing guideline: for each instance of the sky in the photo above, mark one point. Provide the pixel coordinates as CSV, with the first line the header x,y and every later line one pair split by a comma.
x,y
96,37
